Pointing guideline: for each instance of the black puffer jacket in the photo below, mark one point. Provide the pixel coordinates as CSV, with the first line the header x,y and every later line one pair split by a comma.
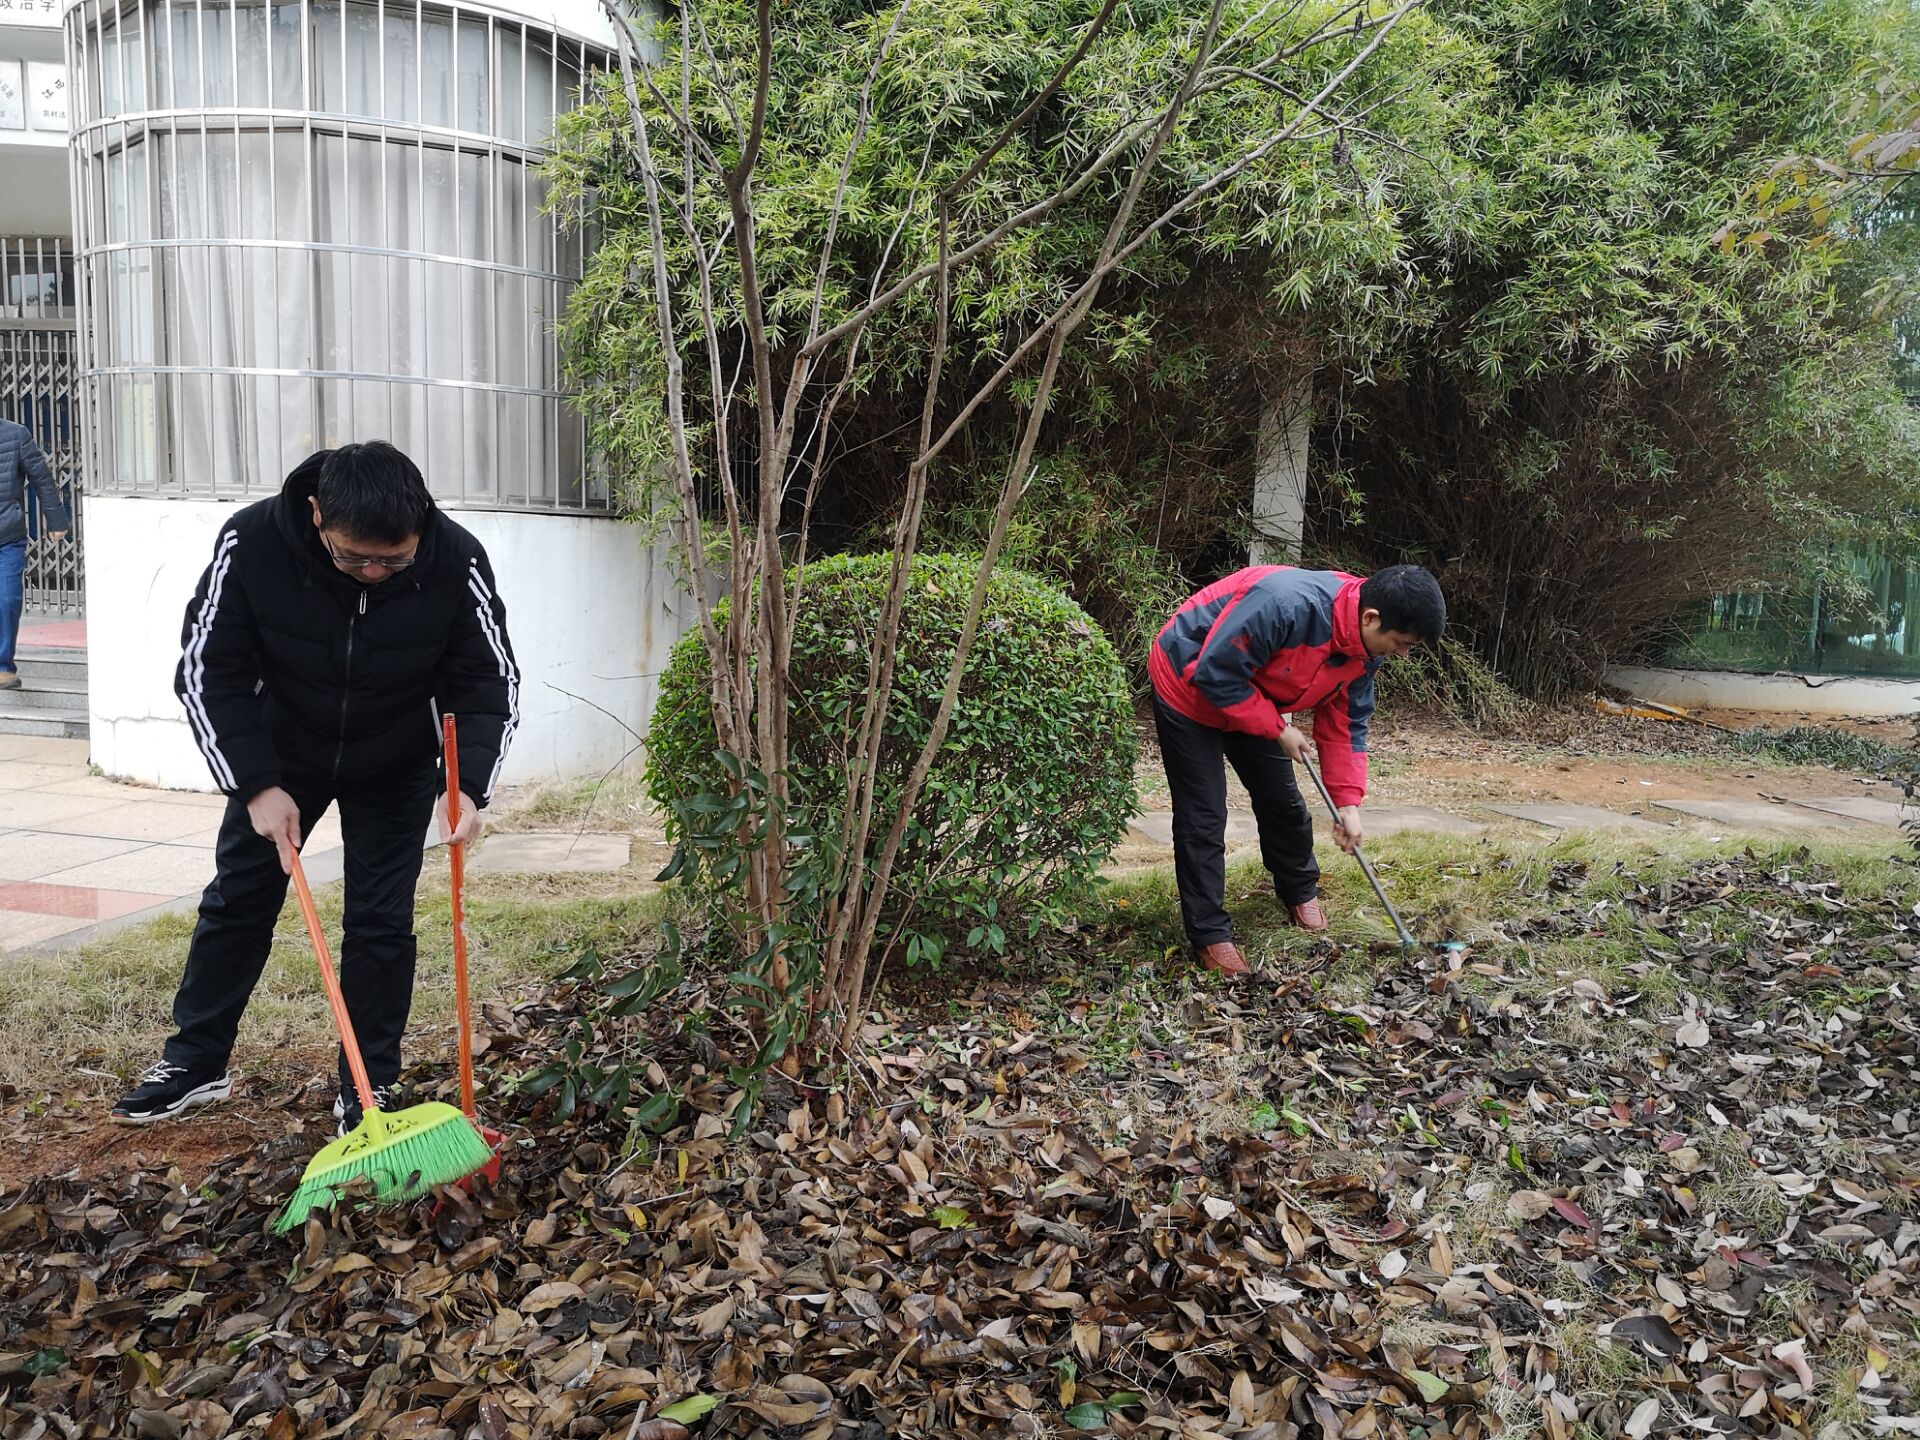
x,y
291,668
21,464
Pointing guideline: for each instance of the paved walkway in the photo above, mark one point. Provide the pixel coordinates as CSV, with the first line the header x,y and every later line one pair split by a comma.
x,y
80,854
1863,812
77,850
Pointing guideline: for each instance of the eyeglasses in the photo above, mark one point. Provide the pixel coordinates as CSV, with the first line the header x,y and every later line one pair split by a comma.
x,y
357,562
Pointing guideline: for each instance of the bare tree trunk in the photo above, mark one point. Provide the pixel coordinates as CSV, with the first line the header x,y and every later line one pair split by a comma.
x,y
1280,468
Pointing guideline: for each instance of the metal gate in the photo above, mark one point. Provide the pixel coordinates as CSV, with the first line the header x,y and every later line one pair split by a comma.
x,y
38,372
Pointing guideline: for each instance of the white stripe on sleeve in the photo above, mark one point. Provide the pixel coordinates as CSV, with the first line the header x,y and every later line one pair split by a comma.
x,y
194,667
490,627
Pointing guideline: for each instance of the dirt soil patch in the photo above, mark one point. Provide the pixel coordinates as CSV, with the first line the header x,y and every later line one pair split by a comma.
x,y
1575,757
276,1092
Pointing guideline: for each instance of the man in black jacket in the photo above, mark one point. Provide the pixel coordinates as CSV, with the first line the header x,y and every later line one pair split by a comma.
x,y
336,624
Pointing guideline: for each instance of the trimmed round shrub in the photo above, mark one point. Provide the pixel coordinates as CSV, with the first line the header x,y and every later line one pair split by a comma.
x,y
1031,789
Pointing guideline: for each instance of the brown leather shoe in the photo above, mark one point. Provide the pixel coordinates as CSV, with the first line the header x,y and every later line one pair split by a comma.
x,y
1308,915
1222,957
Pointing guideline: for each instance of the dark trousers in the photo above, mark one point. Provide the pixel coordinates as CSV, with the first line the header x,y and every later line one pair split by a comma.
x,y
1196,757
382,827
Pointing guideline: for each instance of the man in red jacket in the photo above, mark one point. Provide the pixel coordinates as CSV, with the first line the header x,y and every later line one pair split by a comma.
x,y
1228,669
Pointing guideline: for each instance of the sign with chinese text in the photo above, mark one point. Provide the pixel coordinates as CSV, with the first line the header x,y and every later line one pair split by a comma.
x,y
46,95
41,14
13,97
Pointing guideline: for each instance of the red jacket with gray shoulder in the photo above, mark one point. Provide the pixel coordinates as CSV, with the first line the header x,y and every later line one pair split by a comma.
x,y
1248,650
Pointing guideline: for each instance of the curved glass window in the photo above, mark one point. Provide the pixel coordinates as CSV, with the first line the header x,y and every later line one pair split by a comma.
x,y
306,223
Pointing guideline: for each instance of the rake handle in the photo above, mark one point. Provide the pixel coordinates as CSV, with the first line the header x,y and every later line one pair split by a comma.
x,y
457,853
1366,866
342,1021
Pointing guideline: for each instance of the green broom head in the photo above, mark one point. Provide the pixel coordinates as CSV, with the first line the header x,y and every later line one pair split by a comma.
x,y
390,1158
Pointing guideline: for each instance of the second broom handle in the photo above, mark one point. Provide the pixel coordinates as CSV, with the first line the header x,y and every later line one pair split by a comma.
x,y
457,854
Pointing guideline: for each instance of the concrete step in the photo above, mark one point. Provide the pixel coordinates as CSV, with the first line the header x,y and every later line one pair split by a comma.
x,y
61,669
52,699
38,695
35,720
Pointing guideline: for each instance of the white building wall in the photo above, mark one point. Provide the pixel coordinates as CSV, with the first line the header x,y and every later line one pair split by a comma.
x,y
592,609
1857,696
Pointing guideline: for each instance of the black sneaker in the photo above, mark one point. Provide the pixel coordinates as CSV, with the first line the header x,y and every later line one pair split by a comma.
x,y
346,1108
166,1090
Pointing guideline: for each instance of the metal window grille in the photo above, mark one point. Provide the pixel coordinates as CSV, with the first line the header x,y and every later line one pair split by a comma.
x,y
306,222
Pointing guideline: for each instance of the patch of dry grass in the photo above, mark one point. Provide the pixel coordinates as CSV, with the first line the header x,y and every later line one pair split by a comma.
x,y
78,1024
597,804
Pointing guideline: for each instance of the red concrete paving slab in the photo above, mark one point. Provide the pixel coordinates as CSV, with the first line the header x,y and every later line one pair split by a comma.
x,y
54,635
79,902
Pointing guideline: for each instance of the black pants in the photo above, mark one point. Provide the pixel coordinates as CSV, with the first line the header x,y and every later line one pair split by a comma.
x,y
382,827
1196,756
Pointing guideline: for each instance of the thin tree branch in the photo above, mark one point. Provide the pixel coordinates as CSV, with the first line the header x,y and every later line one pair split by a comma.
x,y
1018,475
1034,106
628,47
846,166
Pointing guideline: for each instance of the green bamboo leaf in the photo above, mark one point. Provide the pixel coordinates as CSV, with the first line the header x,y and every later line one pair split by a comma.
x,y
1432,1388
691,1408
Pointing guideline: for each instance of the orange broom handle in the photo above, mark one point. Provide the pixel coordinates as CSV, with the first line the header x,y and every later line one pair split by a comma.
x,y
341,1020
457,852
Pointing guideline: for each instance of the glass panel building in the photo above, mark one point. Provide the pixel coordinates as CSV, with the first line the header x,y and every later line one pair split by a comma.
x,y
308,222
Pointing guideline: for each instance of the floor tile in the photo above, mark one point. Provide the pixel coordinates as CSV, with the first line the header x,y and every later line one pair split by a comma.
x,y
44,750
105,789
531,853
1759,815
135,820
1579,817
200,799
1156,828
17,928
77,902
24,809
1382,820
157,869
32,774
204,837
1887,813
98,785
34,854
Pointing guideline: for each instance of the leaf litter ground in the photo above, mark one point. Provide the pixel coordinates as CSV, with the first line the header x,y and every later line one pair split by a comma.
x,y
1378,1195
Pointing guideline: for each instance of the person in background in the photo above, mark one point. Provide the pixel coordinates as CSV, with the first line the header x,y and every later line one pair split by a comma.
x,y
1228,669
22,463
